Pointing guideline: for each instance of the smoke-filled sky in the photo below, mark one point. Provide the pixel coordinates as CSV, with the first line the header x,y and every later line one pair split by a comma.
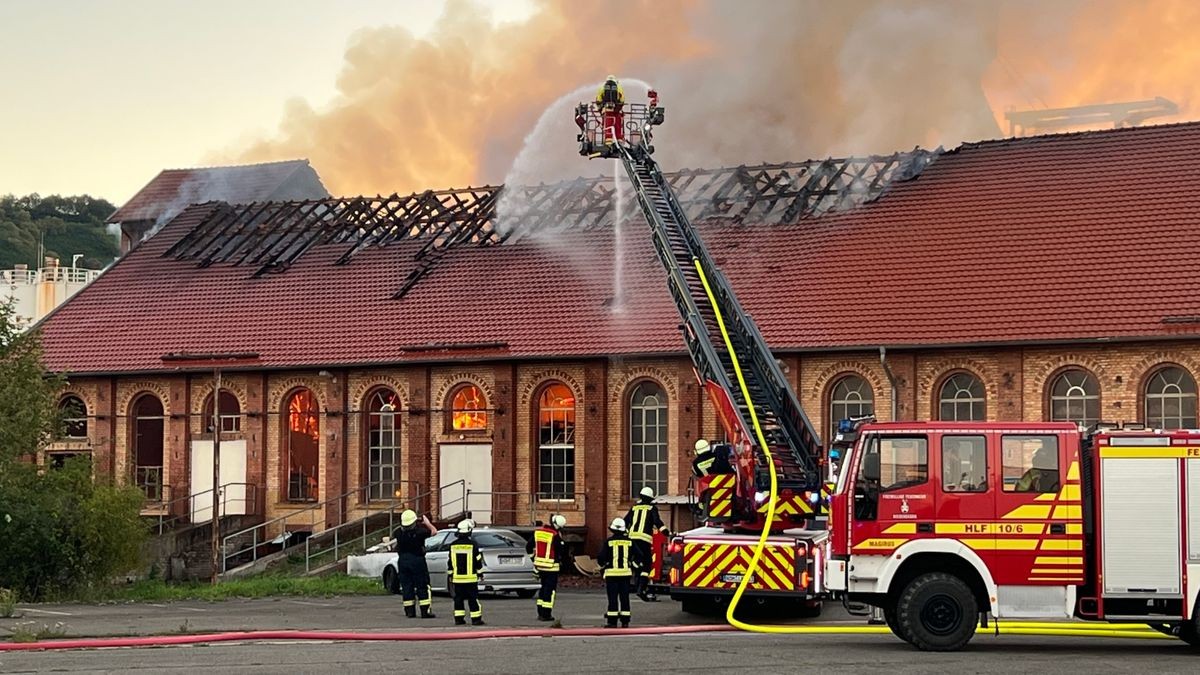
x,y
393,97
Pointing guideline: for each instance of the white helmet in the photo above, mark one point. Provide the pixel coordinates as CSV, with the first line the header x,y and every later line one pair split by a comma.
x,y
408,518
617,525
558,520
466,526
647,492
701,446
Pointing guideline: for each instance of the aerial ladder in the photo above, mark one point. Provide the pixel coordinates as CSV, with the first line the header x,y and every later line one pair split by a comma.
x,y
717,330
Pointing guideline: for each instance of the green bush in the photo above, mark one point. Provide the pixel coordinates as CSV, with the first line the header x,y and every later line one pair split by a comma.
x,y
60,530
8,603
63,531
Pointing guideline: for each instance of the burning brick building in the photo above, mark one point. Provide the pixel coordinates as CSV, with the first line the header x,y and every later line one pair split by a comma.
x,y
374,347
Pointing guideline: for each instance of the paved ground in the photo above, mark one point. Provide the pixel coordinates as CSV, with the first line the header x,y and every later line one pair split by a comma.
x,y
677,654
575,608
681,653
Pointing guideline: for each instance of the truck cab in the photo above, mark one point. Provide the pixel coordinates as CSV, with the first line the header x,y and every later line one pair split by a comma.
x,y
942,524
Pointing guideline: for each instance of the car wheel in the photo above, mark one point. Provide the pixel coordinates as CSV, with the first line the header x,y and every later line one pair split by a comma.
x,y
526,593
391,580
938,612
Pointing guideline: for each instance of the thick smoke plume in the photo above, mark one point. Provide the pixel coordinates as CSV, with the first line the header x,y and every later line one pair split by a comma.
x,y
744,82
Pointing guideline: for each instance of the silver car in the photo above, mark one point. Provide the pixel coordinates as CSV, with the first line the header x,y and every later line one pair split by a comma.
x,y
507,568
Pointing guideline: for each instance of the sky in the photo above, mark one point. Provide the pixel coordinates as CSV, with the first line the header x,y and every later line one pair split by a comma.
x,y
99,95
388,96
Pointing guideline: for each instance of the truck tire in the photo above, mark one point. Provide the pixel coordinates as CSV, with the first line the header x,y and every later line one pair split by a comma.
x,y
807,611
1189,631
938,612
700,606
889,615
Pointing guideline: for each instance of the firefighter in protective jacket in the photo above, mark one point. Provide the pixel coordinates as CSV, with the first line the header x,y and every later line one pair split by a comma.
x,y
549,554
610,101
465,563
620,560
643,521
411,569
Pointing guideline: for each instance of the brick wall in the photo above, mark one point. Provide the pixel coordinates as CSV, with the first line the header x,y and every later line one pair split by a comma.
x,y
1015,381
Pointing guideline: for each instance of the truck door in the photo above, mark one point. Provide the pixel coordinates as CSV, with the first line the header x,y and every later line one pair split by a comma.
x,y
966,497
893,495
1039,521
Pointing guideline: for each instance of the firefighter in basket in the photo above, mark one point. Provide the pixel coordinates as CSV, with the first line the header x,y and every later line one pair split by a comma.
x,y
610,103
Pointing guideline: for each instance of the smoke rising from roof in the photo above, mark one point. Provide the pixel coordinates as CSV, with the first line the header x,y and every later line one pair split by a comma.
x,y
746,82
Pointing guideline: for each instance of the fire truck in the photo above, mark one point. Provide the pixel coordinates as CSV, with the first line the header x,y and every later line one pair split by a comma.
x,y
945,525
702,567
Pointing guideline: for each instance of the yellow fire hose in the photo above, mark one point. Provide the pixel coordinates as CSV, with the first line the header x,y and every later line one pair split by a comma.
x,y
1006,628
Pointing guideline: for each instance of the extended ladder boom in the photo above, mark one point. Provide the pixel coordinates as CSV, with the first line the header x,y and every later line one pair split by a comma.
x,y
680,249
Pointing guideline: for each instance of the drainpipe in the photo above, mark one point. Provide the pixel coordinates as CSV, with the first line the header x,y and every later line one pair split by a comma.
x,y
892,380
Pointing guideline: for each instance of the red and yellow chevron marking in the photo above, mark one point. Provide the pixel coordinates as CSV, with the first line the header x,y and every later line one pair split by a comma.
x,y
789,506
706,566
720,495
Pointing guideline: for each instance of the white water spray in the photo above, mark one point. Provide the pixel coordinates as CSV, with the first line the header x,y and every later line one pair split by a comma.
x,y
619,192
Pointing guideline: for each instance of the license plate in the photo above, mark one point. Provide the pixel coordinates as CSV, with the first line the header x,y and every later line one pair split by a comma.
x,y
511,559
734,578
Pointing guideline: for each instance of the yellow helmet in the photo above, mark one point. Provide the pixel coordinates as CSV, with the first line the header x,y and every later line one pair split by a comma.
x,y
701,446
408,518
611,78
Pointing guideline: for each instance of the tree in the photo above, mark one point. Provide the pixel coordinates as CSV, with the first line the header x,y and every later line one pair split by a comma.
x,y
68,225
60,529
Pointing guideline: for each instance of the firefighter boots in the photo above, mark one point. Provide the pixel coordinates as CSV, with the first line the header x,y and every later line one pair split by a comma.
x,y
427,613
459,621
477,622
410,611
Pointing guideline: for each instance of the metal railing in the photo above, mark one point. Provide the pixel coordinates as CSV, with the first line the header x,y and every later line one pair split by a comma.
x,y
452,507
169,518
305,518
524,509
358,529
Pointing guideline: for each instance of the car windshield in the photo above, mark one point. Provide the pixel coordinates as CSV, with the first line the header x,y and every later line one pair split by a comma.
x,y
496,540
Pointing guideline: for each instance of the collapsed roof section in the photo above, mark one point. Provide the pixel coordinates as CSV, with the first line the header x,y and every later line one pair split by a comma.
x,y
268,237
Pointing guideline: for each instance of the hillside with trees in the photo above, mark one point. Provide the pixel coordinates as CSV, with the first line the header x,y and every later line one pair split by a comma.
x,y
69,225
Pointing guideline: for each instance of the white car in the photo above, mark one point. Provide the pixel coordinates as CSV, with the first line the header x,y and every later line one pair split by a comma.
x,y
507,568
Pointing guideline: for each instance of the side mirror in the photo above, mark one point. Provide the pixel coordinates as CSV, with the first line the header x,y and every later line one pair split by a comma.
x,y
870,468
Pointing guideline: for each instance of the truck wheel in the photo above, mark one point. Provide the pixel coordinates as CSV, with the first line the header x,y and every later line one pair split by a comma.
x,y
699,606
889,615
391,581
809,611
937,612
1189,631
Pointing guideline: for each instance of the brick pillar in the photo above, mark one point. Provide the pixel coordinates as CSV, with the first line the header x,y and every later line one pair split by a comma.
x,y
1011,386
175,451
504,447
420,444
255,430
595,450
335,448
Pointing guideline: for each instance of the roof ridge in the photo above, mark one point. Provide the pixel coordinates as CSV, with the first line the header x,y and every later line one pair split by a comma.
x,y
280,162
1039,138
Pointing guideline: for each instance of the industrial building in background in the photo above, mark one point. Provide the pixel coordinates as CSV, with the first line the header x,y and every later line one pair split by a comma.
x,y
407,348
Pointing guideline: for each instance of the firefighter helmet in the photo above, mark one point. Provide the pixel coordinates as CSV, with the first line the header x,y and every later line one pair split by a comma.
x,y
610,78
408,518
617,525
466,526
701,446
647,492
558,520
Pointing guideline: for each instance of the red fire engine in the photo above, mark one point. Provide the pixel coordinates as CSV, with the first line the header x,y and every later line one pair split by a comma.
x,y
945,525
702,567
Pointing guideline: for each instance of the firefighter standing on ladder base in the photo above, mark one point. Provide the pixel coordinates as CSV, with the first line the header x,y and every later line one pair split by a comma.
x,y
610,102
549,551
620,560
465,563
410,563
643,521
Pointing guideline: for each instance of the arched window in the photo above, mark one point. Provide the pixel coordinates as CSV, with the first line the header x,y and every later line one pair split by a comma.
x,y
647,438
301,445
962,399
149,425
231,413
1171,399
1075,397
851,396
383,444
556,442
469,409
74,418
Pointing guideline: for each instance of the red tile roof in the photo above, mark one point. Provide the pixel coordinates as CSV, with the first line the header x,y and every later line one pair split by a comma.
x,y
173,189
1075,237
